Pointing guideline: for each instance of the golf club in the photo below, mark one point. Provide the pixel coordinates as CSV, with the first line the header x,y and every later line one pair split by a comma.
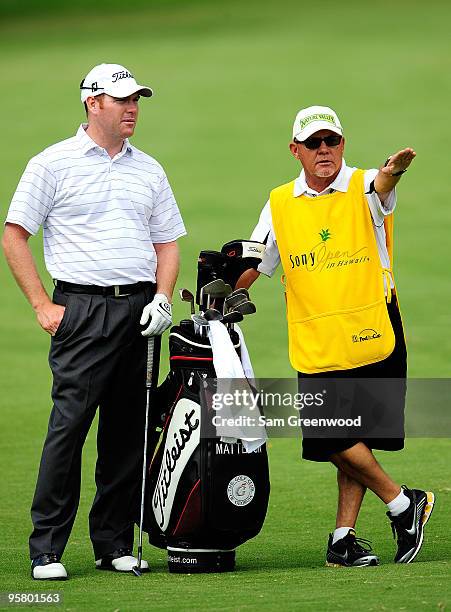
x,y
234,300
227,290
215,289
241,290
187,296
217,292
245,308
232,317
213,315
214,285
199,319
199,323
149,370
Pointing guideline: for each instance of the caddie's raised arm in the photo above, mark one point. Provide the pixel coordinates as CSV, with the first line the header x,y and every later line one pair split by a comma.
x,y
390,173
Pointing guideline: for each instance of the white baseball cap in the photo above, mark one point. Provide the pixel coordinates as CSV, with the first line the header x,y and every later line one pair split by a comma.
x,y
314,118
112,79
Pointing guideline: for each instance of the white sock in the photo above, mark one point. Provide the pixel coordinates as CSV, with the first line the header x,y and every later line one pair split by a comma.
x,y
399,504
340,533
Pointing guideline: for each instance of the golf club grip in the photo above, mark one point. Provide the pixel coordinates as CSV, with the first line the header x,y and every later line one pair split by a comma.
x,y
149,367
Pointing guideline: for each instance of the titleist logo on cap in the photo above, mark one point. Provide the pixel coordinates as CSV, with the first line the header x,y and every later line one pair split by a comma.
x,y
124,74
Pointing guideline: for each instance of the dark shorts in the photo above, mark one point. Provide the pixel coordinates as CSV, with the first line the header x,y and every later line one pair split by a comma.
x,y
390,397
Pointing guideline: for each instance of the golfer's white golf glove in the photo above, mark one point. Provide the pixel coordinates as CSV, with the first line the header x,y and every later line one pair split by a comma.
x,y
159,312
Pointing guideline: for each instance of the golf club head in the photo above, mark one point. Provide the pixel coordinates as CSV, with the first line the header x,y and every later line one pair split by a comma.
x,y
217,292
232,317
241,290
213,315
187,296
234,300
209,288
245,308
215,285
199,320
200,324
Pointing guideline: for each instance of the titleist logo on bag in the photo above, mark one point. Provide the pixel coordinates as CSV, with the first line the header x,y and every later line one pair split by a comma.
x,y
182,439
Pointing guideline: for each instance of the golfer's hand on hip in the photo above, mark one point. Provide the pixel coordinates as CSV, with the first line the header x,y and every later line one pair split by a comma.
x,y
50,316
158,314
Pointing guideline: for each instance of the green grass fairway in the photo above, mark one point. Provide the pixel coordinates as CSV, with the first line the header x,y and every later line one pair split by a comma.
x,y
283,568
229,78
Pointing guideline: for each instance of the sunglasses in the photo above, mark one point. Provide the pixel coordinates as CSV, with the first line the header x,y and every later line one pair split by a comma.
x,y
314,142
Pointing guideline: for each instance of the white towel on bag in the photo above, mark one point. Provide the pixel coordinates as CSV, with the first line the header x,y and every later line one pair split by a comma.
x,y
228,366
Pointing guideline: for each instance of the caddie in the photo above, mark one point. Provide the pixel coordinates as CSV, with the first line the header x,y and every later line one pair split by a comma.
x,y
332,230
110,225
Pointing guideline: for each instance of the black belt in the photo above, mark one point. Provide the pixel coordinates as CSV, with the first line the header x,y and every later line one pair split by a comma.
x,y
115,290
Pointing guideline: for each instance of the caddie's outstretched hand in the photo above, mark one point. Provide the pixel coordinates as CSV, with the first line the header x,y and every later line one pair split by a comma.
x,y
399,162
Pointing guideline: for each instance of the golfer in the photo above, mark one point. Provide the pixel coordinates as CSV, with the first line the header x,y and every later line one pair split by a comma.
x,y
110,224
332,229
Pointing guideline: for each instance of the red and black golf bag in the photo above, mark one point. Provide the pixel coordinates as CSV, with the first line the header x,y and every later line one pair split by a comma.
x,y
204,496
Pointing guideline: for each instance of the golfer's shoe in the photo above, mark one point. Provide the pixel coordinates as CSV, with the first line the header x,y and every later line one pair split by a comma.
x,y
48,567
121,560
408,526
350,552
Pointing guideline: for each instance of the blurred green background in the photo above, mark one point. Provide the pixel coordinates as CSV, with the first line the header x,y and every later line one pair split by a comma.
x,y
229,78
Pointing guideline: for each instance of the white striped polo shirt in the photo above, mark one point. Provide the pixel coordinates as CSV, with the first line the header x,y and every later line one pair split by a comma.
x,y
100,216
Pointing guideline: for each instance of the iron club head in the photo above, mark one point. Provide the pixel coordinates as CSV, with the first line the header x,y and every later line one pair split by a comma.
x,y
213,315
232,317
234,300
209,288
187,296
241,290
245,308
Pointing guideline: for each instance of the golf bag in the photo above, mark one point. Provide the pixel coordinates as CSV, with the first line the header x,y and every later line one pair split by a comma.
x,y
204,497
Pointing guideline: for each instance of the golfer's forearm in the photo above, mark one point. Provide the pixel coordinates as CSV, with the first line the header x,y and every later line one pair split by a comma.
x,y
168,262
22,265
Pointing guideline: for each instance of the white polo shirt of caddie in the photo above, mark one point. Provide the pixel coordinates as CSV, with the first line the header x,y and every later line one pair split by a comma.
x,y
264,230
100,216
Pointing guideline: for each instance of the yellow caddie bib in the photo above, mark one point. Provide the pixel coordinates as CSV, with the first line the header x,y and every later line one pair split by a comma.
x,y
336,308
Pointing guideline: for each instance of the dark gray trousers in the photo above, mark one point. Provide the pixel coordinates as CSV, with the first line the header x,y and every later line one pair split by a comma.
x,y
98,359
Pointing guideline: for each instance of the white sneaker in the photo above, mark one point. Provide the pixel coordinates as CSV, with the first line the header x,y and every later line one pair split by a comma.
x,y
48,567
121,560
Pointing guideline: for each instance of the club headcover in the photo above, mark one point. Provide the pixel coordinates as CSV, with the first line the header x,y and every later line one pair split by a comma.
x,y
211,265
241,255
